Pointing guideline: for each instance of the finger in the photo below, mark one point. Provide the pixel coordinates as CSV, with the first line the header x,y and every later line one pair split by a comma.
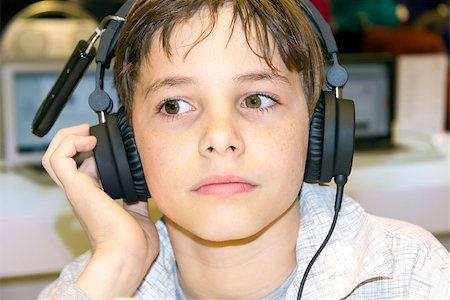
x,y
61,161
82,130
140,213
140,208
89,167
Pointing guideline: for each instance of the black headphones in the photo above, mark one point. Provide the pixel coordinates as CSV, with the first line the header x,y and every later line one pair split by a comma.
x,y
331,136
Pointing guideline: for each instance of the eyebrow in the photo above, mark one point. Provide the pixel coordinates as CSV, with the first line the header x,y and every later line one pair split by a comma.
x,y
260,76
169,82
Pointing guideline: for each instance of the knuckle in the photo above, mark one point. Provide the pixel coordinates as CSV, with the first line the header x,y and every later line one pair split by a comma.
x,y
53,159
62,132
67,139
45,162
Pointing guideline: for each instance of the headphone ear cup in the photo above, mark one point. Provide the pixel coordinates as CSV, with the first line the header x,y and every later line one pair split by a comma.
x,y
134,160
104,158
322,136
315,144
345,137
331,139
119,177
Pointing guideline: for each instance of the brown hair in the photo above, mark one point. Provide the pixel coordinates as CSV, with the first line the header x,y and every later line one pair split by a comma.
x,y
280,21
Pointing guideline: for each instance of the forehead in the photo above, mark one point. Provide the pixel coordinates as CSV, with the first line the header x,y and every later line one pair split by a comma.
x,y
203,39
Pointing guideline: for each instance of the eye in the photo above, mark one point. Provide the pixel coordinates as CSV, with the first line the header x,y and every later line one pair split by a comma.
x,y
174,107
257,101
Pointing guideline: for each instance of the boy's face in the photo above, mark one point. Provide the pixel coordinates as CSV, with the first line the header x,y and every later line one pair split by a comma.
x,y
225,156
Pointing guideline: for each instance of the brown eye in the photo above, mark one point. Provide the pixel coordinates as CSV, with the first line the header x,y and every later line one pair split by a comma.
x,y
253,101
175,107
258,101
171,107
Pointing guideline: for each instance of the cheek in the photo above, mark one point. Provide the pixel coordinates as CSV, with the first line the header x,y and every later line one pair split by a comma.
x,y
291,151
168,162
163,160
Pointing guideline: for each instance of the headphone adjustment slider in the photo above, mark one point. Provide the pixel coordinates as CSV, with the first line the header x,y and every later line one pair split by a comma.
x,y
100,29
338,92
101,117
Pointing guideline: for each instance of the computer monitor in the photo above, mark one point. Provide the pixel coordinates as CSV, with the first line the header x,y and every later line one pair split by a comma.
x,y
24,87
371,85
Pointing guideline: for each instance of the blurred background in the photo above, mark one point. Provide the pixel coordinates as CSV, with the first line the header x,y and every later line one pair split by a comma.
x,y
396,52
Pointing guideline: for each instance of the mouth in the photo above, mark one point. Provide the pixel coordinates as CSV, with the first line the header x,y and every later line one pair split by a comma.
x,y
224,185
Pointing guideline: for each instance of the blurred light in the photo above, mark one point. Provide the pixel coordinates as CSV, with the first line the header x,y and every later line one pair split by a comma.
x,y
442,9
402,12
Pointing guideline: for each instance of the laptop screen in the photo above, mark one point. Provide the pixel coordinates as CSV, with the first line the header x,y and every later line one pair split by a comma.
x,y
371,87
24,88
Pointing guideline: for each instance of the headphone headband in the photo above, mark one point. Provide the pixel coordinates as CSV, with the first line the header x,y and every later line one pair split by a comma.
x,y
321,27
337,76
109,38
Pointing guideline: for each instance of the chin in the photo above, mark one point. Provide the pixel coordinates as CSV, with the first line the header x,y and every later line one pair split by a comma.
x,y
229,236
231,226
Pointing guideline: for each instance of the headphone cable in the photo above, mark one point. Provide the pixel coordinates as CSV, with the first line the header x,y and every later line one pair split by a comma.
x,y
340,182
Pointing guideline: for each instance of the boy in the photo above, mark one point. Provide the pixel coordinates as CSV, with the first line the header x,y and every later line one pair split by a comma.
x,y
219,95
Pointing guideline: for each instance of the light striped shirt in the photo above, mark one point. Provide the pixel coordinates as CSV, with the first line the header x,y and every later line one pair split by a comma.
x,y
367,257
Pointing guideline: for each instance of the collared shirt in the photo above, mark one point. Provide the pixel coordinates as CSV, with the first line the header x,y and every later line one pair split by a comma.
x,y
367,257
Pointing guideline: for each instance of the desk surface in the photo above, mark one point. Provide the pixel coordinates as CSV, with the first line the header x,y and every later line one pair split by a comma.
x,y
410,182
38,232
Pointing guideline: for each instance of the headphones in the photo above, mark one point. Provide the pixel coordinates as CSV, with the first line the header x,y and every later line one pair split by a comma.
x,y
331,135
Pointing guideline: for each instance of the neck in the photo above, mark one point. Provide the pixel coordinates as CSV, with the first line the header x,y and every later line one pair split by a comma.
x,y
247,268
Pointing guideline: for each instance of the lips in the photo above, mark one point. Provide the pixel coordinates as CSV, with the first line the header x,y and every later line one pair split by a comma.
x,y
224,185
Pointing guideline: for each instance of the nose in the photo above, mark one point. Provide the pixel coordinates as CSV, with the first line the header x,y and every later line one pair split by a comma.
x,y
221,137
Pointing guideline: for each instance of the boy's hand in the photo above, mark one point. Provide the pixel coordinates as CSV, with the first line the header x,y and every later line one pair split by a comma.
x,y
124,241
